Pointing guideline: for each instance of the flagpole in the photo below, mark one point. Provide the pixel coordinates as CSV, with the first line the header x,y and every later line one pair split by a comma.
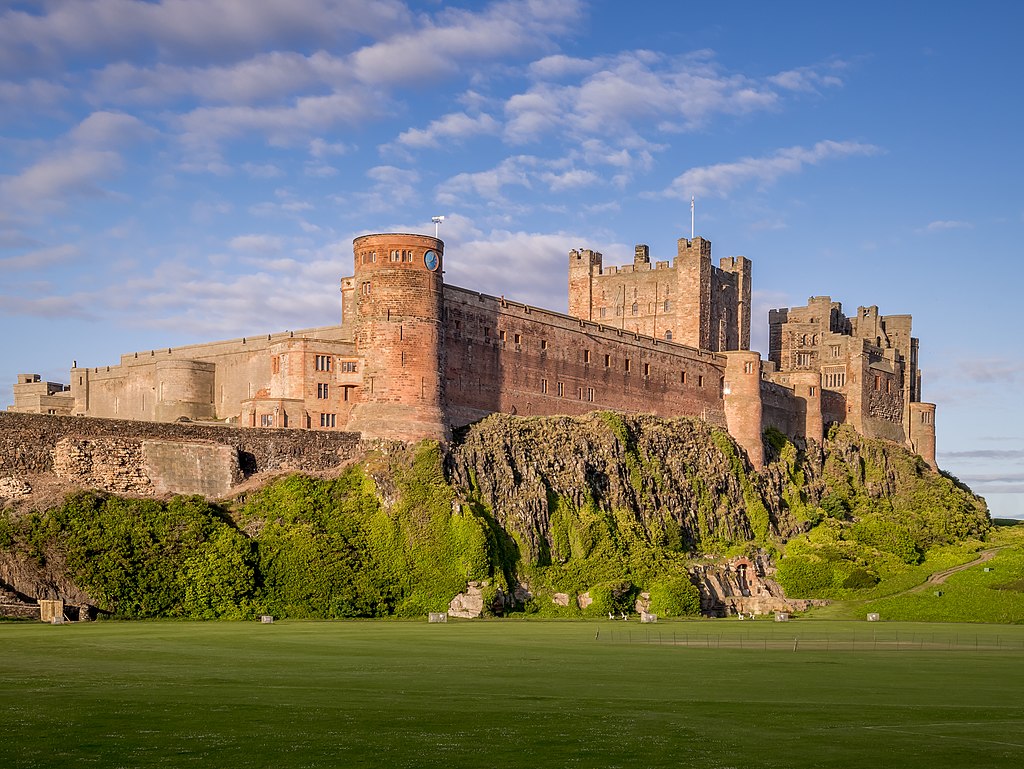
x,y
691,216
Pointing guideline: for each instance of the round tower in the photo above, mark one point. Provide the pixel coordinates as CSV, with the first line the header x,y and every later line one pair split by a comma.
x,y
398,315
741,394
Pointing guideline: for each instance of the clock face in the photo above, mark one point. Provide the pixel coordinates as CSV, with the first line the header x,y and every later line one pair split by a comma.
x,y
431,260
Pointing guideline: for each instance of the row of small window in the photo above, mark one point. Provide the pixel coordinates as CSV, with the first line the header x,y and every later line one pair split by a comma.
x,y
635,309
878,384
326,420
647,372
323,363
560,390
323,391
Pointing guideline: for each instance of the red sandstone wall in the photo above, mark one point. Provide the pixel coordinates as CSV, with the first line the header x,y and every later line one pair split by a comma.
x,y
488,370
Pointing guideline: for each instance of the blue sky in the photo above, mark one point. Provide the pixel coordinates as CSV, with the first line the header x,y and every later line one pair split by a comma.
x,y
185,170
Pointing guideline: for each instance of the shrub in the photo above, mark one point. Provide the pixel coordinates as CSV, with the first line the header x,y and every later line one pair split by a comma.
x,y
804,577
675,596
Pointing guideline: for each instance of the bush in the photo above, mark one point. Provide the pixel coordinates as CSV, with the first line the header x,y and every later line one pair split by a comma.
x,y
804,577
675,596
859,579
610,597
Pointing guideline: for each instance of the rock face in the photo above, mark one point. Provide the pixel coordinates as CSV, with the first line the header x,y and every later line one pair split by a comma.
x,y
662,470
469,604
743,586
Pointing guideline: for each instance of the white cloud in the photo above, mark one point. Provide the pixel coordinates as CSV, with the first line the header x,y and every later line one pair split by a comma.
x,y
262,170
574,179
722,178
40,258
261,244
455,126
807,78
58,176
487,184
441,46
110,130
33,94
630,93
209,30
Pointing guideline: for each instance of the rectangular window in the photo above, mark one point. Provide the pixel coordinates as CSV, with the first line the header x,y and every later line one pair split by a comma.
x,y
518,338
878,382
323,362
543,344
328,420
700,381
647,369
579,393
544,386
607,361
345,391
586,356
682,377
803,359
266,420
487,332
348,367
590,394
835,351
322,390
748,367
561,390
627,365
501,335
812,391
888,385
604,312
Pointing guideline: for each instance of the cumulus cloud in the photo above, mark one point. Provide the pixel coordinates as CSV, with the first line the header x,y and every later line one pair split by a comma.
x,y
629,93
441,46
722,178
488,184
454,126
40,258
194,29
51,180
32,94
110,130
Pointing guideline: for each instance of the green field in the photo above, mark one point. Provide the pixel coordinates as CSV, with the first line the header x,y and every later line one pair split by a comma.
x,y
511,693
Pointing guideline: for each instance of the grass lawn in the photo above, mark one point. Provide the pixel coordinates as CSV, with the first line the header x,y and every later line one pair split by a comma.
x,y
510,694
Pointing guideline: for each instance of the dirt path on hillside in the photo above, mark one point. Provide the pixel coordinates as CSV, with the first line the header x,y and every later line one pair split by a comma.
x,y
941,576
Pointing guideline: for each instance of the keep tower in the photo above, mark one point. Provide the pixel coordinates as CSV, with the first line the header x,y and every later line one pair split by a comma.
x,y
398,288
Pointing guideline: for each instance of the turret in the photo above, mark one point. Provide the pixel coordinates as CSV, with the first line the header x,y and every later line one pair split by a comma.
x,y
693,269
583,265
398,316
741,394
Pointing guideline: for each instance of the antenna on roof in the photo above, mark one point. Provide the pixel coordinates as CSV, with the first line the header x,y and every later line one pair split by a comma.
x,y
692,200
437,224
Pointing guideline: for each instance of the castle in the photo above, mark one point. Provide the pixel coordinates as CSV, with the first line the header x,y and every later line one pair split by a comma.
x,y
414,358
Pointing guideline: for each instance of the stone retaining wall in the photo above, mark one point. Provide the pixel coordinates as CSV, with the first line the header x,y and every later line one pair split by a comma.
x,y
27,442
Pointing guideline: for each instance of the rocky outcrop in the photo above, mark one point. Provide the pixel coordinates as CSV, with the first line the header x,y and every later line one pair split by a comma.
x,y
660,469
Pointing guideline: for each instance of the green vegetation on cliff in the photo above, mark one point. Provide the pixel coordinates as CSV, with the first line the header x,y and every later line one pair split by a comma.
x,y
536,511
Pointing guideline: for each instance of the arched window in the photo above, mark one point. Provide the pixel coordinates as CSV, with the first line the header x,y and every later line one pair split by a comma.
x,y
668,335
636,308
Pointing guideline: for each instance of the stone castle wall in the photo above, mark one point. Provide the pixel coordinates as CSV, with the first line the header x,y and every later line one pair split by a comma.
x,y
27,442
503,356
